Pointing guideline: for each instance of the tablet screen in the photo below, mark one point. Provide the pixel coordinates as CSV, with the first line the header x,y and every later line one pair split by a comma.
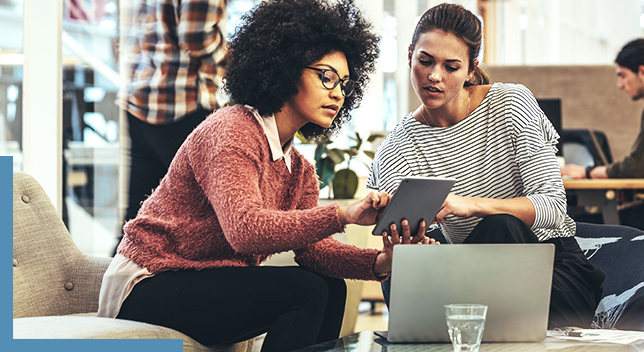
x,y
416,199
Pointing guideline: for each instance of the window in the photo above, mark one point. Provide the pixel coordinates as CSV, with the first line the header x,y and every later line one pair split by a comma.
x,y
11,60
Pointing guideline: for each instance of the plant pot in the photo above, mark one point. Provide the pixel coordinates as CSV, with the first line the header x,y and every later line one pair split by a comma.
x,y
345,184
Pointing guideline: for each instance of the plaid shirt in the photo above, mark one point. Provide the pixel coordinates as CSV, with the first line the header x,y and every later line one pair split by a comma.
x,y
174,58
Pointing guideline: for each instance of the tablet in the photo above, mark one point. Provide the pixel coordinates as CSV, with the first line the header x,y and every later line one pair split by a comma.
x,y
417,198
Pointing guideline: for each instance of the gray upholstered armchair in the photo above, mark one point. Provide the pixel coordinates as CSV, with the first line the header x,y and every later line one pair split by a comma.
x,y
56,286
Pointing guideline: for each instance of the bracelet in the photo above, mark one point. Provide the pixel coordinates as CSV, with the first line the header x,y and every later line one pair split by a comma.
x,y
588,170
383,275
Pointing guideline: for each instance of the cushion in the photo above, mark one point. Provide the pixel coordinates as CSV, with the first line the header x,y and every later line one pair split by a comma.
x,y
617,250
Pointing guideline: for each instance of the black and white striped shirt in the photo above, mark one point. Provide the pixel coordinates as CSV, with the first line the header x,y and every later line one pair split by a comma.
x,y
504,149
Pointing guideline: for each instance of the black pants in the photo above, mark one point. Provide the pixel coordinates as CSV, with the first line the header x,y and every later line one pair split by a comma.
x,y
152,148
576,284
294,306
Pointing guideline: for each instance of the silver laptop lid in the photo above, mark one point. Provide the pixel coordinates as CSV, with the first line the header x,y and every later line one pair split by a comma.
x,y
514,280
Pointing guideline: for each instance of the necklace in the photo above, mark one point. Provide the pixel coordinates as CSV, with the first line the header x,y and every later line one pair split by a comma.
x,y
422,114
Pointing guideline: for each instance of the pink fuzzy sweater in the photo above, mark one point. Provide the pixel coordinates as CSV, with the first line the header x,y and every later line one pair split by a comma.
x,y
225,202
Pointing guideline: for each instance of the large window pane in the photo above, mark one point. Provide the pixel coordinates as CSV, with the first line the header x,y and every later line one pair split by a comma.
x,y
90,124
11,59
572,32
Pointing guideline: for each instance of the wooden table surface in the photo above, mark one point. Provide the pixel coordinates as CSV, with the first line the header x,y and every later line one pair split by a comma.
x,y
603,193
610,183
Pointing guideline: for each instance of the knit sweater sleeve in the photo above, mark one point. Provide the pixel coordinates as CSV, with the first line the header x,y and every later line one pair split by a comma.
x,y
332,258
229,161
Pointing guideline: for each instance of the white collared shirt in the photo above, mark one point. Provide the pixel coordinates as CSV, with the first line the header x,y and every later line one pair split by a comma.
x,y
270,129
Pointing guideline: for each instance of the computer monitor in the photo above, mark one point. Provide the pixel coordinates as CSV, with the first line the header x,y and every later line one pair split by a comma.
x,y
552,108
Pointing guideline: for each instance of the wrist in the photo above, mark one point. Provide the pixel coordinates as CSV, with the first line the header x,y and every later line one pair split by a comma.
x,y
342,215
380,267
589,169
382,276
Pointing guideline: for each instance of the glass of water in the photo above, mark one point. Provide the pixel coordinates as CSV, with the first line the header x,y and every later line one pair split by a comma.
x,y
465,323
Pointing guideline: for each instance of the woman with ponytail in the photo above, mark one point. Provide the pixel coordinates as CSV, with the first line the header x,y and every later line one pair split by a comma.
x,y
498,144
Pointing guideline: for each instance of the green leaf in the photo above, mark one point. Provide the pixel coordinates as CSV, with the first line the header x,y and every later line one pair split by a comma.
x,y
358,141
336,155
375,136
350,152
302,138
325,169
319,151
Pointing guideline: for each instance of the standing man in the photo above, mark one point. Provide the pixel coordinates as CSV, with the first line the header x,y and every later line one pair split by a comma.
x,y
630,78
174,57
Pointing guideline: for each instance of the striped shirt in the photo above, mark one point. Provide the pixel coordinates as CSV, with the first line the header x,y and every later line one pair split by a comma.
x,y
173,56
504,149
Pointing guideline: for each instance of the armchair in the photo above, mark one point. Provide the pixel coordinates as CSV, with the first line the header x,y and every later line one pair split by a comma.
x,y
56,286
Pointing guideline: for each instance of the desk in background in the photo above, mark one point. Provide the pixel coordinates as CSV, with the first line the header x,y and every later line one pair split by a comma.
x,y
605,193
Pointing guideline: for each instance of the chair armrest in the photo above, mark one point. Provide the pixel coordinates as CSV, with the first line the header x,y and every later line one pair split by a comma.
x,y
87,278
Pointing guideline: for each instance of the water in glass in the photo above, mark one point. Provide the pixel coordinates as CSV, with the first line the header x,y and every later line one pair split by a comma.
x,y
466,331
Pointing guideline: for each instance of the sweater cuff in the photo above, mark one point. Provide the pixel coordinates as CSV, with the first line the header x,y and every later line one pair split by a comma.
x,y
341,227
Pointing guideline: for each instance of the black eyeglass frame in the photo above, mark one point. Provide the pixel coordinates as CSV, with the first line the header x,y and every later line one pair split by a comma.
x,y
342,81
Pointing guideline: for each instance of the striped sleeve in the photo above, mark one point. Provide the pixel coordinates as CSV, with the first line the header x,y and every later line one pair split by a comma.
x,y
388,160
535,155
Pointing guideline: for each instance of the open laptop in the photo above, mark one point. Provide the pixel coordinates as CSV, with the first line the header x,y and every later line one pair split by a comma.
x,y
514,280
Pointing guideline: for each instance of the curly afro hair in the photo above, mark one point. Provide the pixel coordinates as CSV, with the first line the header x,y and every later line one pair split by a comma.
x,y
278,38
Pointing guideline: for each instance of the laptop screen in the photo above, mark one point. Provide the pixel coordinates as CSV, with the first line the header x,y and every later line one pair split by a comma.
x,y
552,109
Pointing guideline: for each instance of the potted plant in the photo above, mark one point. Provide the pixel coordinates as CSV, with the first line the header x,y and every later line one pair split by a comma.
x,y
344,182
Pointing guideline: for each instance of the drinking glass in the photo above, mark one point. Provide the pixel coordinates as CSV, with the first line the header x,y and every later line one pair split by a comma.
x,y
465,323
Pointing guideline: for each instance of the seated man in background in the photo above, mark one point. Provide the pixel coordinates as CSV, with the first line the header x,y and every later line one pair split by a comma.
x,y
630,78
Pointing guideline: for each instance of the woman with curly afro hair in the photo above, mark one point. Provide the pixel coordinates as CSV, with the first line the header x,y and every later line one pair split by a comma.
x,y
238,191
277,43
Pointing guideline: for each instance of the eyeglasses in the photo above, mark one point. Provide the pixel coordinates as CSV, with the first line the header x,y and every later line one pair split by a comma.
x,y
330,80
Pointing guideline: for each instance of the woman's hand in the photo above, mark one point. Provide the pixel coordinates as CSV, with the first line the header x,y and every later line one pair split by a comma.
x,y
573,171
382,266
463,207
366,211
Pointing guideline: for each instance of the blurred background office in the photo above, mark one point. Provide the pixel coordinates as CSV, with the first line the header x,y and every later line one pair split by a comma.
x,y
59,75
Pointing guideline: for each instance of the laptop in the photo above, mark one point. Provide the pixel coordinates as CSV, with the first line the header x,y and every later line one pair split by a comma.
x,y
514,280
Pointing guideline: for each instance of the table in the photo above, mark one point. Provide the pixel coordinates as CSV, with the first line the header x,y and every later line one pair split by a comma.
x,y
603,193
367,341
